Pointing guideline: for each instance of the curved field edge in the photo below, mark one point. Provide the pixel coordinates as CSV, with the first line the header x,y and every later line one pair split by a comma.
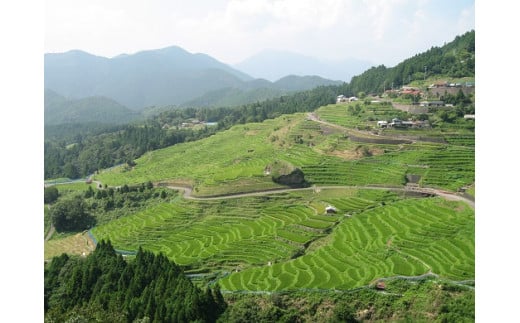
x,y
237,233
235,160
407,238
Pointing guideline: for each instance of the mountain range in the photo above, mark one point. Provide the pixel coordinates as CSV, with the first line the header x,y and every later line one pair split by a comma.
x,y
168,76
273,65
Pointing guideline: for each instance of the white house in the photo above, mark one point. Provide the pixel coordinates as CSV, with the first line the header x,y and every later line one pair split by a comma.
x,y
341,98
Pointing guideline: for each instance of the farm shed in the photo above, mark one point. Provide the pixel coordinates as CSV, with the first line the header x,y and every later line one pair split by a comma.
x,y
330,209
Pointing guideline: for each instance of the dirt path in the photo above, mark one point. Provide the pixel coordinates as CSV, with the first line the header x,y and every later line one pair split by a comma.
x,y
50,233
446,195
51,229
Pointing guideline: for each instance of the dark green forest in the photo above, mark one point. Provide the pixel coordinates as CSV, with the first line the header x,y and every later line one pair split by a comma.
x,y
104,287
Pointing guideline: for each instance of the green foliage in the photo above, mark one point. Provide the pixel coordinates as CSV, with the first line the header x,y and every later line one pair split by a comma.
x,y
104,286
455,59
71,215
106,204
402,301
50,194
344,313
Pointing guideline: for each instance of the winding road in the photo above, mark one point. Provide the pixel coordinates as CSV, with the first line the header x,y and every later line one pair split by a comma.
x,y
444,194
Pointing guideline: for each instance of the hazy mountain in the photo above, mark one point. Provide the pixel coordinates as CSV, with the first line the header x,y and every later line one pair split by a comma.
x,y
259,90
59,110
229,97
163,77
155,77
273,65
300,83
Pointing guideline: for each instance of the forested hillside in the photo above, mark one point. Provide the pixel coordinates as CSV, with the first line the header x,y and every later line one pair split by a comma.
x,y
85,152
98,109
455,59
104,287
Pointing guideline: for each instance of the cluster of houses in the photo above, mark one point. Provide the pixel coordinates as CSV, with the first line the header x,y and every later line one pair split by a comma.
x,y
192,123
398,123
342,99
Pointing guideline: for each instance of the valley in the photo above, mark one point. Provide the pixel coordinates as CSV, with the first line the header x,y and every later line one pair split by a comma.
x,y
305,199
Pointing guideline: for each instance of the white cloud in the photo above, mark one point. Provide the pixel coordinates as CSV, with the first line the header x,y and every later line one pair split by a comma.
x,y
383,31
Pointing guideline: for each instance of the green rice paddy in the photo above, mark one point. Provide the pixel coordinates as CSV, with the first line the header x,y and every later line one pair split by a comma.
x,y
285,241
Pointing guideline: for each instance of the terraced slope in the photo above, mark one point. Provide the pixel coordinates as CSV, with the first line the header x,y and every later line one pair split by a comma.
x,y
235,233
285,241
409,237
235,160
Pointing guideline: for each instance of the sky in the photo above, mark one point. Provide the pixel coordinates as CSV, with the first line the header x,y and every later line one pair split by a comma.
x,y
379,31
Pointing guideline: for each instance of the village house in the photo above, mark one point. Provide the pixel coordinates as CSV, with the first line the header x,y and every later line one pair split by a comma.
x,y
382,124
398,123
341,98
410,90
431,103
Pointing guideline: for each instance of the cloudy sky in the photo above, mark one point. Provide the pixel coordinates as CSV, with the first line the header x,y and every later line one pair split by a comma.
x,y
380,31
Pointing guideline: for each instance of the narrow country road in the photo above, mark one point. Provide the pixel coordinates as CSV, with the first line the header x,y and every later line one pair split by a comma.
x,y
444,194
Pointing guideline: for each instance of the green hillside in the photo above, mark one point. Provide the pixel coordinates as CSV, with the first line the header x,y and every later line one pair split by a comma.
x,y
378,222
453,60
59,110
301,247
327,156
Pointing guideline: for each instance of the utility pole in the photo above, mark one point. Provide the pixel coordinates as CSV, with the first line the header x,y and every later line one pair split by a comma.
x,y
425,68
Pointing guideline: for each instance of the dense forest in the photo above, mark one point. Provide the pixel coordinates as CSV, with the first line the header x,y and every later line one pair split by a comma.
x,y
104,287
75,151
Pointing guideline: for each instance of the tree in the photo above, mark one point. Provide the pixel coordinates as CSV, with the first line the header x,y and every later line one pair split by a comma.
x,y
343,313
50,194
71,215
89,193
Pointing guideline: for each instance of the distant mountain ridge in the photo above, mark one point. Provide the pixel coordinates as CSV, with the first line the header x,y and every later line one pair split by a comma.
x,y
274,64
167,76
260,90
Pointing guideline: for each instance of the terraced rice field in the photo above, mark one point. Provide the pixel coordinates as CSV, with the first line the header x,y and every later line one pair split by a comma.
x,y
409,237
223,164
243,232
285,241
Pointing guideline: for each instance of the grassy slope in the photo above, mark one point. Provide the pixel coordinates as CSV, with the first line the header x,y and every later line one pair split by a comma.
x,y
226,235
234,160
